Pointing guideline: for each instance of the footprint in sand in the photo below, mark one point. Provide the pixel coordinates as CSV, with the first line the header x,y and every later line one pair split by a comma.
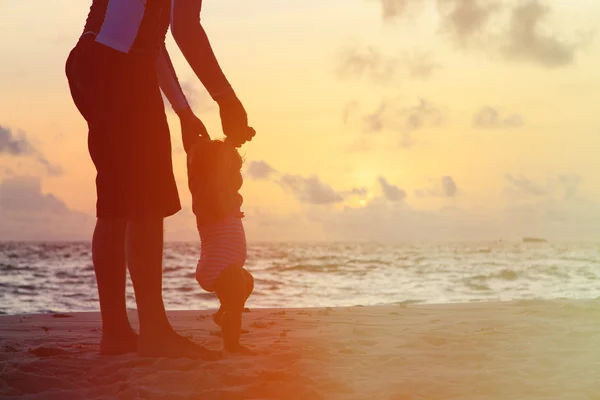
x,y
365,342
435,341
61,316
359,332
9,349
44,352
220,334
262,325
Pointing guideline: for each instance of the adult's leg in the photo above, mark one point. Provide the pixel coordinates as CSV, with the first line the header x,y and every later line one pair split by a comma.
x,y
144,259
108,255
108,241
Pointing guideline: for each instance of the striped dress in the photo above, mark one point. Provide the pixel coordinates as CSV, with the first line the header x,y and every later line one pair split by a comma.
x,y
223,243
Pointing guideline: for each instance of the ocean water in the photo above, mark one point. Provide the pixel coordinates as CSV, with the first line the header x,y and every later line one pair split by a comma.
x,y
59,277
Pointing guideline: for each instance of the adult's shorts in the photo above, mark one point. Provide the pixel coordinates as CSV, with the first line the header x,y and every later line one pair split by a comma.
x,y
128,139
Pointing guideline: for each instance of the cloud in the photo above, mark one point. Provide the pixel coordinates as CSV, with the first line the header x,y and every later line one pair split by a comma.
x,y
356,63
449,188
444,187
391,9
490,118
13,145
421,65
358,192
310,190
20,146
558,188
375,122
28,214
466,18
404,120
391,192
526,186
575,219
369,62
260,170
522,39
527,43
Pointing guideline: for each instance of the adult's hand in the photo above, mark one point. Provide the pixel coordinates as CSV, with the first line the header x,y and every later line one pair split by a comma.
x,y
234,120
191,128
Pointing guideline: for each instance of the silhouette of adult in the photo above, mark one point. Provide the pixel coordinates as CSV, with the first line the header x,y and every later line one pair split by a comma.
x,y
116,72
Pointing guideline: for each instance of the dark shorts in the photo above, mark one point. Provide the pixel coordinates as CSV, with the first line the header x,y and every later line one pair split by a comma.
x,y
128,140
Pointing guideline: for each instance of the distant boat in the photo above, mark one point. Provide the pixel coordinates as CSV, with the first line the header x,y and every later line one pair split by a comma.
x,y
534,240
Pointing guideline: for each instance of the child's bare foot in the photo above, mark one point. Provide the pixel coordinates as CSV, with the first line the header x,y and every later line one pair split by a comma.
x,y
172,345
117,344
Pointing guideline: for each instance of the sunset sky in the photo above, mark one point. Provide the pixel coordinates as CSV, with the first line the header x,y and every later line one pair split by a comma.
x,y
395,120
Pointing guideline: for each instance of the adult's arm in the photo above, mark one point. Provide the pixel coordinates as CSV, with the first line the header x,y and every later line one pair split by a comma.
x,y
196,48
191,126
169,84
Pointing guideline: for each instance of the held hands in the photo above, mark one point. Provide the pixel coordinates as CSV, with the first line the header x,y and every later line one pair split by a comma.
x,y
235,120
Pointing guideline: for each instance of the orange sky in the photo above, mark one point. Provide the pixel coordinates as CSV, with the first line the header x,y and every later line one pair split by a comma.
x,y
481,121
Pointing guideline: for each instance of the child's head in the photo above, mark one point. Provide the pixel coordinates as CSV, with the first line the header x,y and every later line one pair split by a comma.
x,y
215,164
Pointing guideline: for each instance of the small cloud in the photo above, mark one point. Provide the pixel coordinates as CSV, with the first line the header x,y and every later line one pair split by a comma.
x,y
445,187
12,145
449,188
358,192
404,120
391,192
526,186
20,146
563,187
421,66
527,43
490,118
374,122
310,190
465,19
391,9
260,170
369,62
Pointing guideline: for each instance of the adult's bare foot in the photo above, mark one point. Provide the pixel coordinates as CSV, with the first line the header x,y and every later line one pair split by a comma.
x,y
173,345
240,349
117,344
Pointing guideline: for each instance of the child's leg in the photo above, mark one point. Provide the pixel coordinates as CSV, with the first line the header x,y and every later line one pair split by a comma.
x,y
249,285
231,290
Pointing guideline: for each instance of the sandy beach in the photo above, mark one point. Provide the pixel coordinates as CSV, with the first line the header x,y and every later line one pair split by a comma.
x,y
505,350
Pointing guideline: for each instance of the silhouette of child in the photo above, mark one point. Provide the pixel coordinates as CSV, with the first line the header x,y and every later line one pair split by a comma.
x,y
214,178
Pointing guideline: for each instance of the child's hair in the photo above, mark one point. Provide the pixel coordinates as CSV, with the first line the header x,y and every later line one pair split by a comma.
x,y
208,153
214,176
